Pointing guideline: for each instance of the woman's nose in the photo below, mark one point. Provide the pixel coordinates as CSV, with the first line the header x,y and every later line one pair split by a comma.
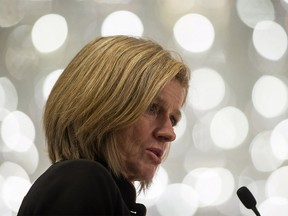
x,y
165,131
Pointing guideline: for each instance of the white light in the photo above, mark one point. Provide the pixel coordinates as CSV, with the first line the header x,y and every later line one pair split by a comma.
x,y
277,183
49,33
208,183
207,89
279,140
50,82
122,23
262,155
3,113
14,184
4,209
270,96
229,128
194,33
178,199
2,96
270,40
29,159
274,206
8,169
18,131
177,147
159,184
21,58
201,133
12,12
8,94
227,179
180,127
253,11
13,191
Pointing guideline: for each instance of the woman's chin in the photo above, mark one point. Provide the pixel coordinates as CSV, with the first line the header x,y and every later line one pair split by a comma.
x,y
147,177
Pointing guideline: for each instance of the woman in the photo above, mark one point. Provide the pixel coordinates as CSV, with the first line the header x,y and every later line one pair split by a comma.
x,y
108,122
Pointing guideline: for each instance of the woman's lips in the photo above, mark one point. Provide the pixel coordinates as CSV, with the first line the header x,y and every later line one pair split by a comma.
x,y
156,154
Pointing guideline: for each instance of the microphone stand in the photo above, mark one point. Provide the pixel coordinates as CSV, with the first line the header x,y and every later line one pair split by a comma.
x,y
255,210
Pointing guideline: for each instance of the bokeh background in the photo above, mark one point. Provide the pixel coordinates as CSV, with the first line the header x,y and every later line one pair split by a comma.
x,y
234,130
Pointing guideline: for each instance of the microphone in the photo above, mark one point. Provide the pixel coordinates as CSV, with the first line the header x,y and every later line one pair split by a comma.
x,y
248,200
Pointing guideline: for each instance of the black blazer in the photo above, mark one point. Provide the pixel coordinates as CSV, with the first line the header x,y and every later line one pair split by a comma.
x,y
80,187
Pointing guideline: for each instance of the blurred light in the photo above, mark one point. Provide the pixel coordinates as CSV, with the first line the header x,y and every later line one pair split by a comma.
x,y
276,185
4,210
209,185
270,96
178,199
227,179
213,4
207,89
177,147
206,183
8,94
160,182
29,159
122,23
258,122
262,155
284,3
2,96
247,175
253,11
270,40
18,131
12,12
279,140
229,128
201,133
8,169
194,32
49,33
50,82
14,184
13,191
274,206
3,113
111,1
173,6
194,159
180,127
21,57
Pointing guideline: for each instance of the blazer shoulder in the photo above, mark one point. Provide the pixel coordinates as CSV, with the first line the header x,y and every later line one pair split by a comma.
x,y
79,187
79,169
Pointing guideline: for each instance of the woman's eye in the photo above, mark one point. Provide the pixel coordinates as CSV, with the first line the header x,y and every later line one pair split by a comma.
x,y
173,121
153,108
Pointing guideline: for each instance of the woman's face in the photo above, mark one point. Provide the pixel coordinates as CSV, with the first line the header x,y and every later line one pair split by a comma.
x,y
144,143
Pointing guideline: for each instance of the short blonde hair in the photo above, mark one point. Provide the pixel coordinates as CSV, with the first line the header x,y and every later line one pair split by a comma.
x,y
105,88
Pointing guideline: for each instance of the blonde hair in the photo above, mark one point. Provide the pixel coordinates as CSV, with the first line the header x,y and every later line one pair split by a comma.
x,y
105,88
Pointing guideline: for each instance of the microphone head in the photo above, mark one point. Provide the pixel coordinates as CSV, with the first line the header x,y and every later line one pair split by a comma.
x,y
246,197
